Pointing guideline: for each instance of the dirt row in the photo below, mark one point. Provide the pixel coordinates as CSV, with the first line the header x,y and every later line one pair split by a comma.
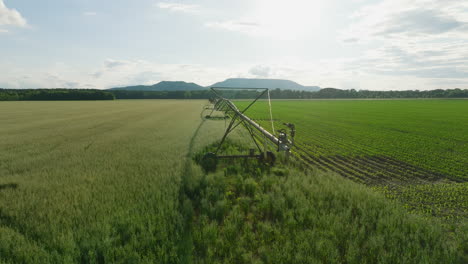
x,y
371,169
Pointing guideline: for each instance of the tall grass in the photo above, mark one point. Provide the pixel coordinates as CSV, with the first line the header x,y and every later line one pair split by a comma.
x,y
96,182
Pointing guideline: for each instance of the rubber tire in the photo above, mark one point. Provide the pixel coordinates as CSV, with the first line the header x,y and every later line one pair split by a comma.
x,y
209,162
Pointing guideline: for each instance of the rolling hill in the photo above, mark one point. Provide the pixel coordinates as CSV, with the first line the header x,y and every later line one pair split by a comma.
x,y
264,83
164,86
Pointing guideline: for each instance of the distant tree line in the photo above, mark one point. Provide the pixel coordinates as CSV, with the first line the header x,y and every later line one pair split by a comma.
x,y
54,94
327,93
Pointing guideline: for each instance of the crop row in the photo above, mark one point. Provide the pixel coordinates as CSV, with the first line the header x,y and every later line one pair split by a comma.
x,y
449,201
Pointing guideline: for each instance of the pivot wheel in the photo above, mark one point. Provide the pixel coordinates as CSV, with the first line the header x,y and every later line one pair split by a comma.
x,y
269,158
209,162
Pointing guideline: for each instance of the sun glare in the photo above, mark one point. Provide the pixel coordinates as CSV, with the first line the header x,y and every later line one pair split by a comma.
x,y
288,19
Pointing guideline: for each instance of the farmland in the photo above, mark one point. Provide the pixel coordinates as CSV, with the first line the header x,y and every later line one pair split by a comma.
x,y
404,148
118,182
92,181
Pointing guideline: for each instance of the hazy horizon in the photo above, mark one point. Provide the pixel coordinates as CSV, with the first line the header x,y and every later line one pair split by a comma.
x,y
357,44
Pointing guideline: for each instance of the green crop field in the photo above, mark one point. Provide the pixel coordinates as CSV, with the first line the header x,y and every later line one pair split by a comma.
x,y
416,150
423,140
118,182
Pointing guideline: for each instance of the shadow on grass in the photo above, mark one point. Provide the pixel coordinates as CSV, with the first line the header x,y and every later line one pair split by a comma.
x,y
8,186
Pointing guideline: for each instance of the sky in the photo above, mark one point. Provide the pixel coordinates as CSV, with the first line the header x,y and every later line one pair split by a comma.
x,y
346,44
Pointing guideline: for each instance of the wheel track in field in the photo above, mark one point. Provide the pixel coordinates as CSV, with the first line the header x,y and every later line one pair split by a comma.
x,y
375,170
185,242
423,172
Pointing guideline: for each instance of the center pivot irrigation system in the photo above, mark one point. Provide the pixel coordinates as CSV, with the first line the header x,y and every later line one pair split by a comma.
x,y
260,136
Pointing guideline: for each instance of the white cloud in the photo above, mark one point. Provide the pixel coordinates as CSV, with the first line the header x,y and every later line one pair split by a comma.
x,y
178,7
10,17
243,26
409,19
110,64
419,39
261,71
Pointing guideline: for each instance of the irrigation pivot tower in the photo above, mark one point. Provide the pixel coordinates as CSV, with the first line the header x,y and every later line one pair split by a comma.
x,y
257,132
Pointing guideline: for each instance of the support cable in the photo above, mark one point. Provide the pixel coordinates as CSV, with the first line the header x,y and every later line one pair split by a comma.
x,y
271,114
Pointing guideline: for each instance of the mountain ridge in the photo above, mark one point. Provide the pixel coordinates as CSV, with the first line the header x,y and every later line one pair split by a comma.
x,y
264,83
231,82
163,86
